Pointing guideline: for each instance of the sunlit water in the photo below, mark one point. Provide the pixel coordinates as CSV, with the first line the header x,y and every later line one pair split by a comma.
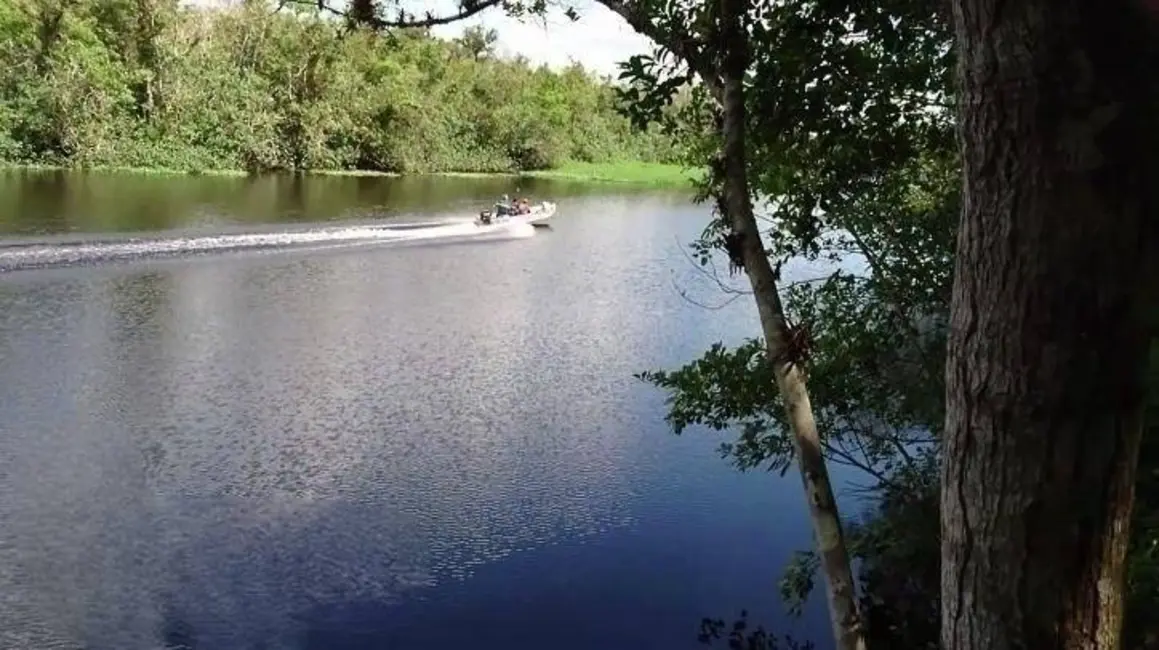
x,y
351,443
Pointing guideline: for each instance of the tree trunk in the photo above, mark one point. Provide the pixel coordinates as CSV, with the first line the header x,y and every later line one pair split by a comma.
x,y
146,33
50,17
1048,342
843,607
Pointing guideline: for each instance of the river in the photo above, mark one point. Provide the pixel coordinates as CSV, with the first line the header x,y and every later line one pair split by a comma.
x,y
235,415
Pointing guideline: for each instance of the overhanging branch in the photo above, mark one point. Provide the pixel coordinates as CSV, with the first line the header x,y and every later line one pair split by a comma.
x,y
405,19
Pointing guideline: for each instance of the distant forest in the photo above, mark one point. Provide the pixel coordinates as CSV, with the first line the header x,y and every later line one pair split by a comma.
x,y
149,84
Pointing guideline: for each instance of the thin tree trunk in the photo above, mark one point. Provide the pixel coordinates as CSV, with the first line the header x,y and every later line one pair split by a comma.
x,y
145,35
723,72
50,16
1048,342
843,607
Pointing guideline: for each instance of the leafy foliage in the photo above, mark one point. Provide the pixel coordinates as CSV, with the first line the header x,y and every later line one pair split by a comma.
x,y
852,151
148,83
852,148
738,636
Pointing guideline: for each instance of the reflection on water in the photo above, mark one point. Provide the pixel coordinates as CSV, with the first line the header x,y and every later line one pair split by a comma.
x,y
63,202
243,452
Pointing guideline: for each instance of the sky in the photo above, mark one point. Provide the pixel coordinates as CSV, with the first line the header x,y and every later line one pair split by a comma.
x,y
598,40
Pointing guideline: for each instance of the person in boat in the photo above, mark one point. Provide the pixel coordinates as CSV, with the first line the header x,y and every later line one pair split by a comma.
x,y
508,207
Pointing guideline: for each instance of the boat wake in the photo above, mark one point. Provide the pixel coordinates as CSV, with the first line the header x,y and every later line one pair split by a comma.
x,y
28,254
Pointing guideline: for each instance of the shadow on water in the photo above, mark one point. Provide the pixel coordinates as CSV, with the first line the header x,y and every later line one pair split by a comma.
x,y
282,593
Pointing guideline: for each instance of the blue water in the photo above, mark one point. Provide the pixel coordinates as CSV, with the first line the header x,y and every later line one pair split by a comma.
x,y
379,446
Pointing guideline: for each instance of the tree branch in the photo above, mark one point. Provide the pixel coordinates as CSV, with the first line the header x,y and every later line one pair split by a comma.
x,y
904,319
712,274
467,8
684,294
839,454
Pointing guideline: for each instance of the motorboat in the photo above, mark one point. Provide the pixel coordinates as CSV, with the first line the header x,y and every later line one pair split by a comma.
x,y
508,213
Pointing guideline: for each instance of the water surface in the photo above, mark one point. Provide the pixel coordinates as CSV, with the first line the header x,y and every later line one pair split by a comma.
x,y
367,443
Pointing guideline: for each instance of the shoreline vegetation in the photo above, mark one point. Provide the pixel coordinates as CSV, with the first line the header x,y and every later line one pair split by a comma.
x,y
154,87
633,173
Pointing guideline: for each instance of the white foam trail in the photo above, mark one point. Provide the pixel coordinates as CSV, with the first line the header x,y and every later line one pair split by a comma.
x,y
521,230
48,254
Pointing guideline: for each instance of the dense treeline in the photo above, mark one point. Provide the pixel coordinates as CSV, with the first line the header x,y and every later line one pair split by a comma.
x,y
146,83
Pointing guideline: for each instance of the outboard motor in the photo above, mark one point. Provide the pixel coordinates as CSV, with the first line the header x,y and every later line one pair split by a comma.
x,y
485,217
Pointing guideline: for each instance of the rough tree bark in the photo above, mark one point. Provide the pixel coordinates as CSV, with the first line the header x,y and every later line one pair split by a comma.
x,y
1048,342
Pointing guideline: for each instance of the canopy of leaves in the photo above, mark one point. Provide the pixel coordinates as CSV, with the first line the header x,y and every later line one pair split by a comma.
x,y
147,83
851,148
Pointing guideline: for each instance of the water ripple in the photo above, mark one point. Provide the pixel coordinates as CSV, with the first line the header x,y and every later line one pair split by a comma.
x,y
211,450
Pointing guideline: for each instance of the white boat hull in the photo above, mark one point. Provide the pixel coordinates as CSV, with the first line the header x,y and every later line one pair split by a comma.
x,y
539,213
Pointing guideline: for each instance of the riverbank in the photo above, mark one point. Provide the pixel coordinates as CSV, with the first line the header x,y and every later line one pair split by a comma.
x,y
622,172
636,173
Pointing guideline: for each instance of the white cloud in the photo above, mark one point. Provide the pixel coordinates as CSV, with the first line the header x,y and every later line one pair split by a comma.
x,y
598,40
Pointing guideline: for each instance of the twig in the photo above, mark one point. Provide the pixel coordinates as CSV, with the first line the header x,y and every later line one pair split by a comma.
x,y
713,275
839,454
735,292
894,306
684,294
